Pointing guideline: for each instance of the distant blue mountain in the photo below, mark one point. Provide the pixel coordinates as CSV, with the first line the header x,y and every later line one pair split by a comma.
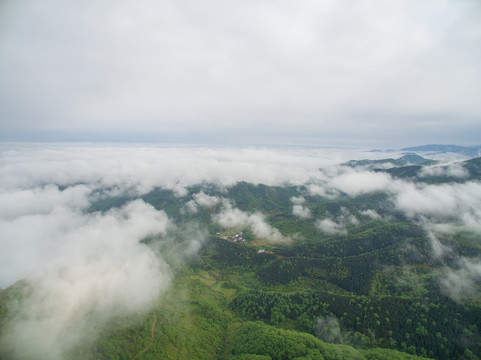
x,y
408,159
443,174
465,150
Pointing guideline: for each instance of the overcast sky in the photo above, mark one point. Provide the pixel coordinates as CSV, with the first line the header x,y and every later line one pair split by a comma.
x,y
374,73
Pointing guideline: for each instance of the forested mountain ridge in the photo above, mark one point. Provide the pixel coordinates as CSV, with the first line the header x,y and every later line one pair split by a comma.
x,y
416,168
408,159
456,172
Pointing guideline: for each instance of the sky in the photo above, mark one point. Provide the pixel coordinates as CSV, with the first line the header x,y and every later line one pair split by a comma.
x,y
370,73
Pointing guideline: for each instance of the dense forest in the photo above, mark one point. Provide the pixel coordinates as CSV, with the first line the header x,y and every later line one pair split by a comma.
x,y
362,285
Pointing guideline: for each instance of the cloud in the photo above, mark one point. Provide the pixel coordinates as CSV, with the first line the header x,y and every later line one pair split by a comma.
x,y
330,227
356,183
455,170
328,330
191,206
456,204
138,168
320,188
297,200
439,250
42,200
339,226
262,70
459,204
299,210
438,208
82,270
445,210
462,282
373,214
233,217
205,200
347,217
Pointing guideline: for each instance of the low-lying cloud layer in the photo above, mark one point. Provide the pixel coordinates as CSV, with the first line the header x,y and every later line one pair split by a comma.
x,y
82,269
139,168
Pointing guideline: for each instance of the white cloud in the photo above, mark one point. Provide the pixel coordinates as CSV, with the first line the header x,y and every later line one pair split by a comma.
x,y
438,249
191,206
42,200
84,269
301,211
205,200
304,70
458,203
339,224
140,168
233,217
355,183
297,200
330,227
347,217
455,170
373,214
462,283
320,188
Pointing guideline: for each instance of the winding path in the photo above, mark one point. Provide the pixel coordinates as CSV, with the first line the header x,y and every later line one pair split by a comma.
x,y
153,327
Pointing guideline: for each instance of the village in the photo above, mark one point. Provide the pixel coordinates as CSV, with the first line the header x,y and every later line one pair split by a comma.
x,y
238,238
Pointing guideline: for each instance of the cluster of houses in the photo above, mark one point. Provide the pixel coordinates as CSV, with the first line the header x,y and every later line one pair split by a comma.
x,y
238,239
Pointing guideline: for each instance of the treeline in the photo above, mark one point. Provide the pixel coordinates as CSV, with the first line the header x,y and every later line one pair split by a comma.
x,y
225,254
352,274
257,341
264,198
369,237
414,173
349,261
441,329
